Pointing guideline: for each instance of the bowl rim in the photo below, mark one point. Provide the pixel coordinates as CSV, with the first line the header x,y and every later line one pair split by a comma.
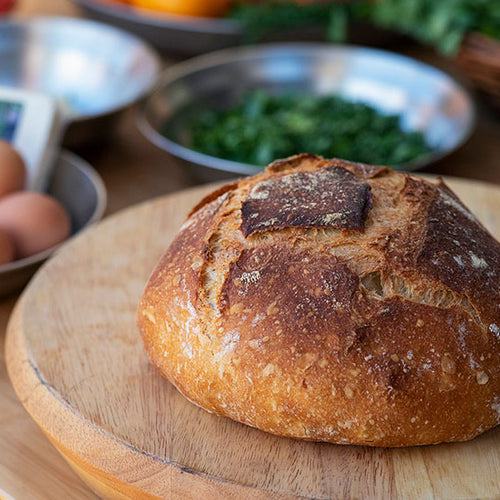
x,y
98,212
240,54
213,25
148,49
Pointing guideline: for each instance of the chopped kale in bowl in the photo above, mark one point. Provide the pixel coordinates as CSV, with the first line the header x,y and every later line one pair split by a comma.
x,y
263,127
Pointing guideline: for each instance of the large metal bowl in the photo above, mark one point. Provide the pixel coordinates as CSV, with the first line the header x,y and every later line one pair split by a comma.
x,y
427,99
81,191
92,69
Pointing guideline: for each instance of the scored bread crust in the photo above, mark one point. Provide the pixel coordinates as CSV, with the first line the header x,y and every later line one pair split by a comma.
x,y
332,301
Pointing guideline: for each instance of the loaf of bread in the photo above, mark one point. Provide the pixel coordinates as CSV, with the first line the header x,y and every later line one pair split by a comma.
x,y
332,301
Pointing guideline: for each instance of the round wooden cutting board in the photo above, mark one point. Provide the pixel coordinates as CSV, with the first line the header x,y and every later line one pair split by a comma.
x,y
77,363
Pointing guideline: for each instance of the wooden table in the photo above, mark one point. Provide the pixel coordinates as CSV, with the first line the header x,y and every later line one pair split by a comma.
x,y
133,171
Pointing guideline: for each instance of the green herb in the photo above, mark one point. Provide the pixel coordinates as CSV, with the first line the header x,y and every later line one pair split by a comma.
x,y
266,18
263,127
440,23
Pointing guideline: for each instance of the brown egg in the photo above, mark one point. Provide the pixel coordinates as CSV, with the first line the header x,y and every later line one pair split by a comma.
x,y
35,222
7,248
12,169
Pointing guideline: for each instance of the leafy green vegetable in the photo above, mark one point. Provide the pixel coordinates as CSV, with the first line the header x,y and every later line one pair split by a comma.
x,y
441,23
265,18
263,127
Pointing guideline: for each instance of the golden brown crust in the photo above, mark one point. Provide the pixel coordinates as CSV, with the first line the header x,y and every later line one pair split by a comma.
x,y
385,332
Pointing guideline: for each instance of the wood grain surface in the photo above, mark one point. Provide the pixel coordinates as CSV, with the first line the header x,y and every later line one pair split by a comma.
x,y
29,467
78,366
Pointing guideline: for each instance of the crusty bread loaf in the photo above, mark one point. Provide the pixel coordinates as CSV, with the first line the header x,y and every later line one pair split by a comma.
x,y
332,301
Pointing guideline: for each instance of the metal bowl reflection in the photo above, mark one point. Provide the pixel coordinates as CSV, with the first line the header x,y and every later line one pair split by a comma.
x,y
93,70
81,191
427,99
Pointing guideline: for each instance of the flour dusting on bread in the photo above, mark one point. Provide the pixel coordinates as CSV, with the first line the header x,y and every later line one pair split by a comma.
x,y
333,301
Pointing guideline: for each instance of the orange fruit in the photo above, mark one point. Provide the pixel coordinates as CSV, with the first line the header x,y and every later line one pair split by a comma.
x,y
202,8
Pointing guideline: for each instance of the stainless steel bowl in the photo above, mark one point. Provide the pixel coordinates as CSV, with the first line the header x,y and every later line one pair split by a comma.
x,y
81,191
187,36
92,69
428,99
181,35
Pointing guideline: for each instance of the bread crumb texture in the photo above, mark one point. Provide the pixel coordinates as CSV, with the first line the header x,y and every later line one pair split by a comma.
x,y
332,301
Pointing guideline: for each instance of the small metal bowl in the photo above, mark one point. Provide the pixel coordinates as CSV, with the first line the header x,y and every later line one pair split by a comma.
x,y
173,34
81,191
427,99
92,69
